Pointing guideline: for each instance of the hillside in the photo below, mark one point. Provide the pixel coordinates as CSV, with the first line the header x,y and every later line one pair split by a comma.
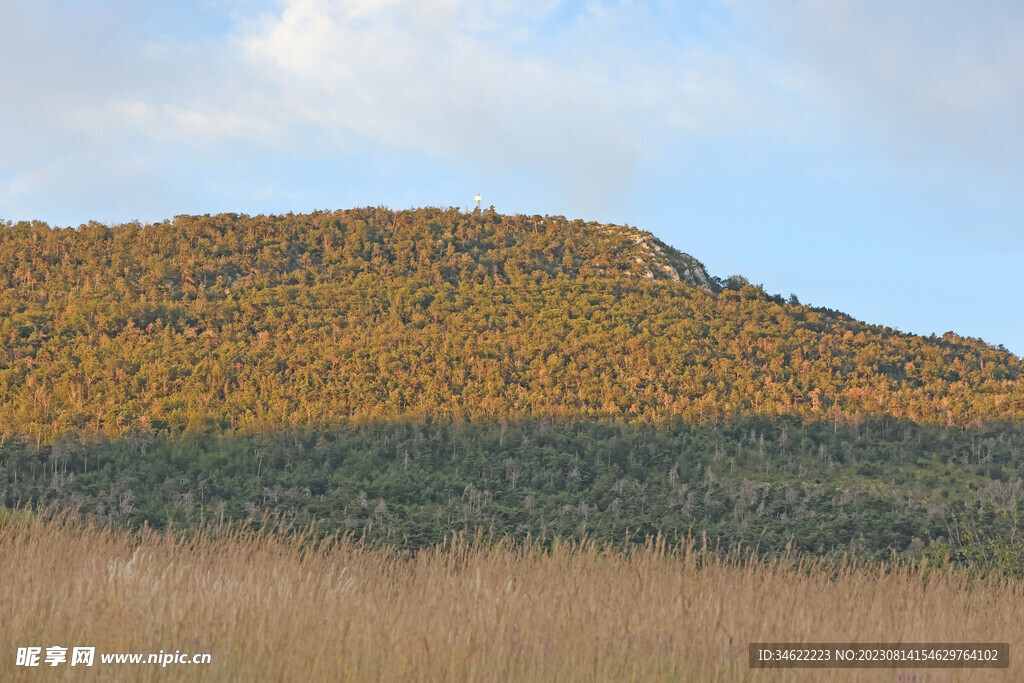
x,y
406,375
257,324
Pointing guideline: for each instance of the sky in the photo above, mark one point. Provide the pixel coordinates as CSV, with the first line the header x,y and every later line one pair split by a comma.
x,y
866,155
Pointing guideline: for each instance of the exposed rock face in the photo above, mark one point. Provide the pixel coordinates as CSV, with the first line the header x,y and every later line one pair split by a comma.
x,y
656,260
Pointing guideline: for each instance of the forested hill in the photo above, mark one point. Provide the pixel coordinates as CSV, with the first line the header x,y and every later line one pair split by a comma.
x,y
265,323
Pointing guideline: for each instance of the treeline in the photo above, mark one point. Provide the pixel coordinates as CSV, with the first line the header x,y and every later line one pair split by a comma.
x,y
235,324
875,489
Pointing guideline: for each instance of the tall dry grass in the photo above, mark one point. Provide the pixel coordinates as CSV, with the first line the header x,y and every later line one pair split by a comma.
x,y
271,607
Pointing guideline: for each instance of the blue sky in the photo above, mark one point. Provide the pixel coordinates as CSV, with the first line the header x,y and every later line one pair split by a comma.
x,y
865,155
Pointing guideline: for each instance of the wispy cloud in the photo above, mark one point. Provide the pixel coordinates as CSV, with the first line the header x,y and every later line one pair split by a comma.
x,y
574,94
76,83
935,83
489,83
578,95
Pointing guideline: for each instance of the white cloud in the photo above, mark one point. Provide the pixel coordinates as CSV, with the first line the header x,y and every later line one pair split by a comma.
x,y
422,77
476,82
574,95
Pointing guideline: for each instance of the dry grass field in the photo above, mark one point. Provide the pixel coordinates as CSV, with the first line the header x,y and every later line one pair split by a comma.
x,y
275,608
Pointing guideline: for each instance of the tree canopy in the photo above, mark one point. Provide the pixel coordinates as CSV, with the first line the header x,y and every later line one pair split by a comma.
x,y
254,324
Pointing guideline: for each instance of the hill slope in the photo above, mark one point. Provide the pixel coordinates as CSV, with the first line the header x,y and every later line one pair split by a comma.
x,y
263,323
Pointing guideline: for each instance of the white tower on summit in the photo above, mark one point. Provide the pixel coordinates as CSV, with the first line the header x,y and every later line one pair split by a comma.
x,y
477,198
